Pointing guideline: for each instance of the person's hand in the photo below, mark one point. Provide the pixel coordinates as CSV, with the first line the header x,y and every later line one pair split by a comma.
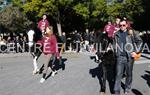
x,y
133,54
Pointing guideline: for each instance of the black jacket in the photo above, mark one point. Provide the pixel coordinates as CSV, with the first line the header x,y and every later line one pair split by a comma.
x,y
132,39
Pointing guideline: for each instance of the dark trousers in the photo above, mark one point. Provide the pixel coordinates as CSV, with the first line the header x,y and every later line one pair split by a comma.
x,y
123,64
78,46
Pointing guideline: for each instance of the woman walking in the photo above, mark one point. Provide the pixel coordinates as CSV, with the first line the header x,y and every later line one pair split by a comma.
x,y
49,49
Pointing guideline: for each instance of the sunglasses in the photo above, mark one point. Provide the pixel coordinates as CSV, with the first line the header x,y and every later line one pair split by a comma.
x,y
122,25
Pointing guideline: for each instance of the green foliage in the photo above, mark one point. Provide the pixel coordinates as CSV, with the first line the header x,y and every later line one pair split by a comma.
x,y
13,20
128,8
99,7
39,7
17,3
87,10
82,10
65,3
133,7
1,1
33,7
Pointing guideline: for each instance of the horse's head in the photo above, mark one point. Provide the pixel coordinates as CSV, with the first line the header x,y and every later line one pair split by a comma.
x,y
31,37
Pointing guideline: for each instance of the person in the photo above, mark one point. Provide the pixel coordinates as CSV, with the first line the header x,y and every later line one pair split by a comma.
x,y
78,40
50,49
91,42
87,39
25,41
9,40
2,45
42,24
125,56
128,22
17,42
74,39
10,43
63,38
109,29
116,24
1,40
92,38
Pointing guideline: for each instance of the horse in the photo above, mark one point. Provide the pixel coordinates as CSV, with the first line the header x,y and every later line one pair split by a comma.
x,y
34,35
107,62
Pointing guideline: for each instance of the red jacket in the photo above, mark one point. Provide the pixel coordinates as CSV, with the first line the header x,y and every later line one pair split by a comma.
x,y
50,45
42,24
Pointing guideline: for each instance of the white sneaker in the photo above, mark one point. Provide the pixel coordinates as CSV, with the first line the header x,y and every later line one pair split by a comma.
x,y
102,93
35,71
42,80
53,73
49,68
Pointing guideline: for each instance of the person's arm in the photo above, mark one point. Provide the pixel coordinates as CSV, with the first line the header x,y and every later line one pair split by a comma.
x,y
138,42
47,23
53,42
115,43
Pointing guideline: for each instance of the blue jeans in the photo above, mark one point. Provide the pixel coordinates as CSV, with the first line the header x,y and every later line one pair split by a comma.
x,y
123,64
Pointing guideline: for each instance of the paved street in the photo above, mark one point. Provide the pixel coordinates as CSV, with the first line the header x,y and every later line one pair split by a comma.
x,y
16,76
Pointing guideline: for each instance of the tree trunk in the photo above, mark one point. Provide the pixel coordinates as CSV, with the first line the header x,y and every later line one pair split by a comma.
x,y
59,28
59,24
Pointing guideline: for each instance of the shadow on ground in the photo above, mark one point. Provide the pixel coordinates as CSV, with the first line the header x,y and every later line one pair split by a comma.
x,y
98,73
145,56
105,70
56,65
147,77
136,92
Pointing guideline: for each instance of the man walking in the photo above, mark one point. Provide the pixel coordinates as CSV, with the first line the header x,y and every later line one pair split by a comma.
x,y
125,54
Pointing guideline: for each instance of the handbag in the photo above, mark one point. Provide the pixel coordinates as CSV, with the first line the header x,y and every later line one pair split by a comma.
x,y
137,56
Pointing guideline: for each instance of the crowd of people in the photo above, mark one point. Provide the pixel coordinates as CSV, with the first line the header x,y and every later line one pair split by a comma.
x,y
85,40
119,34
15,44
78,41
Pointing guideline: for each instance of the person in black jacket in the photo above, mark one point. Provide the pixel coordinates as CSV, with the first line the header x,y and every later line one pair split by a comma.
x,y
18,44
78,40
87,39
63,39
126,39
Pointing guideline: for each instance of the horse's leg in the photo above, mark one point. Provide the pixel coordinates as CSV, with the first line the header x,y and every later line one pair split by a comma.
x,y
35,70
53,65
96,58
31,50
35,58
104,78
